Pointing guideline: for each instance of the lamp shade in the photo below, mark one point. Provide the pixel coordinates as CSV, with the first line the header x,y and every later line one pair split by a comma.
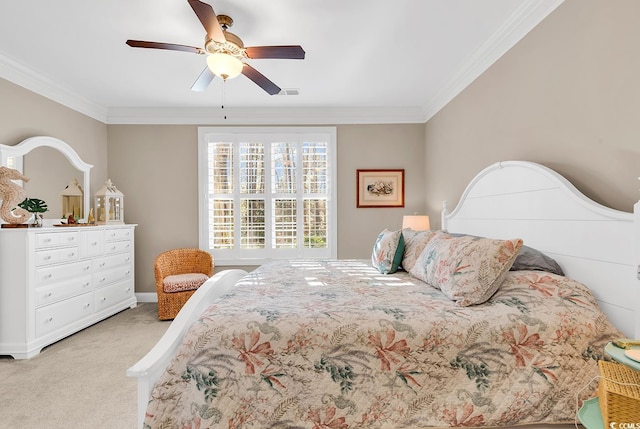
x,y
224,65
416,222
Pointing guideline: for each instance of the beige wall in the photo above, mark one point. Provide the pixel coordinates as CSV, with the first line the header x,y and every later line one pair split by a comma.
x,y
25,114
566,96
156,168
384,147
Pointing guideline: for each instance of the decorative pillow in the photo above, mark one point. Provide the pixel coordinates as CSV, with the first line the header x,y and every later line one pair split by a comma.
x,y
182,282
467,269
388,251
414,243
532,259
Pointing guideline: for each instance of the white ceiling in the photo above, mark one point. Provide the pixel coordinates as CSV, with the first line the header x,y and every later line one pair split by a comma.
x,y
366,60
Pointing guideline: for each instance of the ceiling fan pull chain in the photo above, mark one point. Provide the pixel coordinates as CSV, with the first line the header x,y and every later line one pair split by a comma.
x,y
223,94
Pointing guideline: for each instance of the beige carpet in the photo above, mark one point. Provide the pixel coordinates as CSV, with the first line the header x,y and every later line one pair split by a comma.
x,y
80,381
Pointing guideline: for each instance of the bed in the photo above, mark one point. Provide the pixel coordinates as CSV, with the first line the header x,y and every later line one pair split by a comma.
x,y
337,344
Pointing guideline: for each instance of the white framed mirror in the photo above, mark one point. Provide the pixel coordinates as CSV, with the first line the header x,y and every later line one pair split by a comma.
x,y
14,157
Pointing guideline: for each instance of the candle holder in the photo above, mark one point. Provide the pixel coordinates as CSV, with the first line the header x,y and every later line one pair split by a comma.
x,y
109,204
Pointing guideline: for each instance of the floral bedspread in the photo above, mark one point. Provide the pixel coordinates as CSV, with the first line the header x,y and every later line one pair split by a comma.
x,y
309,344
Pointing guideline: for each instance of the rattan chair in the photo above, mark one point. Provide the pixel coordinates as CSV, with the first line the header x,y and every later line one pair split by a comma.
x,y
187,269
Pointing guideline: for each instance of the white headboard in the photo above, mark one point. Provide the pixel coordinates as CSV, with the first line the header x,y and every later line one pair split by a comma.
x,y
593,244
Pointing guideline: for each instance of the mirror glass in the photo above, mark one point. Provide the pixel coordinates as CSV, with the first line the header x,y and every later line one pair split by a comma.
x,y
49,172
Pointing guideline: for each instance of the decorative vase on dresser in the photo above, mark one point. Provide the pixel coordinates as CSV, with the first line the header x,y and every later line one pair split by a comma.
x,y
57,281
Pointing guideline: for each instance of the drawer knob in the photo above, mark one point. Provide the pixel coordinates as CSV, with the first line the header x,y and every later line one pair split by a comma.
x,y
103,279
103,299
46,258
50,319
87,305
48,276
95,243
50,294
86,284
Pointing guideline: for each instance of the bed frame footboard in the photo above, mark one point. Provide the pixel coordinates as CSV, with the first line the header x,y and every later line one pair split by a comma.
x,y
148,369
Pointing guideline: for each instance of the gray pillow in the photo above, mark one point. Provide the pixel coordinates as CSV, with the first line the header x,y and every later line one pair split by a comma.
x,y
532,259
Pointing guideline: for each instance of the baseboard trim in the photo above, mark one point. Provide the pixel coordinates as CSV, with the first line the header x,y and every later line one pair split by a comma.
x,y
147,297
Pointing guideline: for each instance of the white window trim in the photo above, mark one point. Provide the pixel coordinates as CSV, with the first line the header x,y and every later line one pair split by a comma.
x,y
332,202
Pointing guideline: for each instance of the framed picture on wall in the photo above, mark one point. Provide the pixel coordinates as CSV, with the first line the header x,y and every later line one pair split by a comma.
x,y
380,188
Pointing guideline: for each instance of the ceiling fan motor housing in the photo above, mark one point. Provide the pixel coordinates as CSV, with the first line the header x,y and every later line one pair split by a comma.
x,y
233,46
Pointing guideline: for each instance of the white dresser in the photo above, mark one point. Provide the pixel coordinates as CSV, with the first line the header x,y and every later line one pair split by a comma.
x,y
55,281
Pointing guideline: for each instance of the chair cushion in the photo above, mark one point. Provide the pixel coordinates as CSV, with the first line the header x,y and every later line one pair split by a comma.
x,y
182,282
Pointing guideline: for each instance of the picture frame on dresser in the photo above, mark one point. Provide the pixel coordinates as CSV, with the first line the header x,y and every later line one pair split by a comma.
x,y
57,281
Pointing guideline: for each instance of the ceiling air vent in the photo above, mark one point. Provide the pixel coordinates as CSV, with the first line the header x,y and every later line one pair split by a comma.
x,y
289,91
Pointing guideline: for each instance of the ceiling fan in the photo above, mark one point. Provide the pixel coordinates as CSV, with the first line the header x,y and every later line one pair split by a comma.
x,y
225,51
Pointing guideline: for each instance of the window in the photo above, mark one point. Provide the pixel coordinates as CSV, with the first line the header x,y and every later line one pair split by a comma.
x,y
267,193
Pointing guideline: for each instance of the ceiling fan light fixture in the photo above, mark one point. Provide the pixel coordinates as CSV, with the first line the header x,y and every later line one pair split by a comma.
x,y
224,65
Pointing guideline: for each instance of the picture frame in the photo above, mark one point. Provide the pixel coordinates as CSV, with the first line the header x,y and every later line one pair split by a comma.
x,y
380,188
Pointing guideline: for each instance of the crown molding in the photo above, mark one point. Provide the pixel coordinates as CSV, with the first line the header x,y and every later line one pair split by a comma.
x,y
27,78
265,116
19,74
523,20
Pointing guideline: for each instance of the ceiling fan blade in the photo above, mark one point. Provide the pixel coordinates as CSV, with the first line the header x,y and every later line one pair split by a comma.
x,y
293,52
168,46
203,80
260,79
209,21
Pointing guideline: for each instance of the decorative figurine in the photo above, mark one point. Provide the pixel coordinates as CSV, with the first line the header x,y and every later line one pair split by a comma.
x,y
11,195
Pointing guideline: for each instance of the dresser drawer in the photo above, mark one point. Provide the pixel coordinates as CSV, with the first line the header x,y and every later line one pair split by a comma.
x,y
49,275
54,256
54,239
111,295
117,247
92,243
119,234
57,292
103,278
59,315
112,261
